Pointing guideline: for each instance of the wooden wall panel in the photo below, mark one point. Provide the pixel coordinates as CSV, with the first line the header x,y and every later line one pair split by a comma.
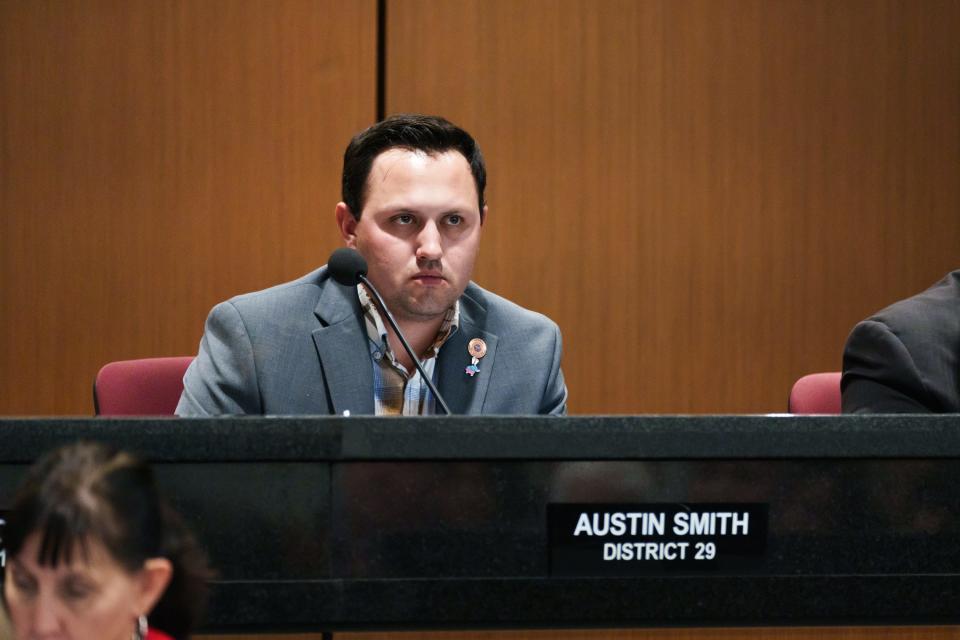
x,y
705,194
158,157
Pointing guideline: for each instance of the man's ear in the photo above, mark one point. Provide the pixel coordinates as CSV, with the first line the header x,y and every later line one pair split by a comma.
x,y
154,578
347,225
484,214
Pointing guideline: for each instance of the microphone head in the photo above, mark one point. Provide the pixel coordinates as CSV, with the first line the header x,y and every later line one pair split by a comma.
x,y
346,266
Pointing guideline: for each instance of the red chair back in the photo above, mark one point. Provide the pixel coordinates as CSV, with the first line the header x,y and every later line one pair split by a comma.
x,y
146,387
816,393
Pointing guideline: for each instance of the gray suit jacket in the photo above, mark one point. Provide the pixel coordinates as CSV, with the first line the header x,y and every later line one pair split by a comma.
x,y
906,358
301,348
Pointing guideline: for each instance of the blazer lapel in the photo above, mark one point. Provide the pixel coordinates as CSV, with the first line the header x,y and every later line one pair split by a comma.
x,y
466,394
342,347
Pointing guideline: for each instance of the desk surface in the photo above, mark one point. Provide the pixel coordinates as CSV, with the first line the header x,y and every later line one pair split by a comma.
x,y
392,523
250,438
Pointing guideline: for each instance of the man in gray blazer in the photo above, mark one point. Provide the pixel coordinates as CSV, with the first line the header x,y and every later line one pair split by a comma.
x,y
906,358
413,207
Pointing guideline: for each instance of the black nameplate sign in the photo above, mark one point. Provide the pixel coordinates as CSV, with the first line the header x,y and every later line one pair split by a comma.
x,y
645,539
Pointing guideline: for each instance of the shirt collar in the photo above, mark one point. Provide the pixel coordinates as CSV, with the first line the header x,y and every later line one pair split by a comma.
x,y
377,331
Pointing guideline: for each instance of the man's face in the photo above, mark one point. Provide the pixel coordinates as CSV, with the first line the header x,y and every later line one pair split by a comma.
x,y
419,230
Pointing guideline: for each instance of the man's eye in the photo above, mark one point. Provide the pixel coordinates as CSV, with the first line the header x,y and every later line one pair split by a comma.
x,y
454,219
404,218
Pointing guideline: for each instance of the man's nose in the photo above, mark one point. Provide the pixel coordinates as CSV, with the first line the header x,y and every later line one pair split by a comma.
x,y
429,245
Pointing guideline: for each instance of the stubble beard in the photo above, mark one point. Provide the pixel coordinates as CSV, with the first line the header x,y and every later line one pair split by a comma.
x,y
425,308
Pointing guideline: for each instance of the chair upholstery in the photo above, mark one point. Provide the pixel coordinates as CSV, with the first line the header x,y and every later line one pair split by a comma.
x,y
146,387
816,393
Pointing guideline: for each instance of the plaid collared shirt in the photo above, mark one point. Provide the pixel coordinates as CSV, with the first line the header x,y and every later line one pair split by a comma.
x,y
396,391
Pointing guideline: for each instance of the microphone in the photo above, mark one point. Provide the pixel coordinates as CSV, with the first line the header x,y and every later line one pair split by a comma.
x,y
349,268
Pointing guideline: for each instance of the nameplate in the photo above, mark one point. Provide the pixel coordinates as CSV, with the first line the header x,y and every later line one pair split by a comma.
x,y
650,539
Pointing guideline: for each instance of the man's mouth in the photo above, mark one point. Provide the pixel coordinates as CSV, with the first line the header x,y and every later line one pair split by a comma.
x,y
429,278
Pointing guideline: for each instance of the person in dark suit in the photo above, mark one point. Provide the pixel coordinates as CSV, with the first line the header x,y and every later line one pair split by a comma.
x,y
413,207
906,358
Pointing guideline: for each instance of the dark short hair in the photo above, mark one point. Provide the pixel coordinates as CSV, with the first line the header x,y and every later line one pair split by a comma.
x,y
90,491
429,134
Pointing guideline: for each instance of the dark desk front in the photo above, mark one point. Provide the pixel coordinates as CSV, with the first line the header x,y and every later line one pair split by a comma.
x,y
366,523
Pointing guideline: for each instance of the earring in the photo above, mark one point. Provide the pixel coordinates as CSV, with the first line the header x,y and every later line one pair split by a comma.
x,y
141,632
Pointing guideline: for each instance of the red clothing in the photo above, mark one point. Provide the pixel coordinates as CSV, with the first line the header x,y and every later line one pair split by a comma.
x,y
153,634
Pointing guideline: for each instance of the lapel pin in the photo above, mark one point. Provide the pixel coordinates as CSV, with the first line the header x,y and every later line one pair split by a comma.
x,y
477,348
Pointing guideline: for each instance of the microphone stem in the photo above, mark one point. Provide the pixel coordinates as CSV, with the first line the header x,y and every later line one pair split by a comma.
x,y
406,345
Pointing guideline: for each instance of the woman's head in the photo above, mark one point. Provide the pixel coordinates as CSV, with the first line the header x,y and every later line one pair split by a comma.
x,y
91,547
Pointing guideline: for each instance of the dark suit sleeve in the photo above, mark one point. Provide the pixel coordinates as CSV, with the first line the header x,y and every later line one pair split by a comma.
x,y
222,379
880,375
555,394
